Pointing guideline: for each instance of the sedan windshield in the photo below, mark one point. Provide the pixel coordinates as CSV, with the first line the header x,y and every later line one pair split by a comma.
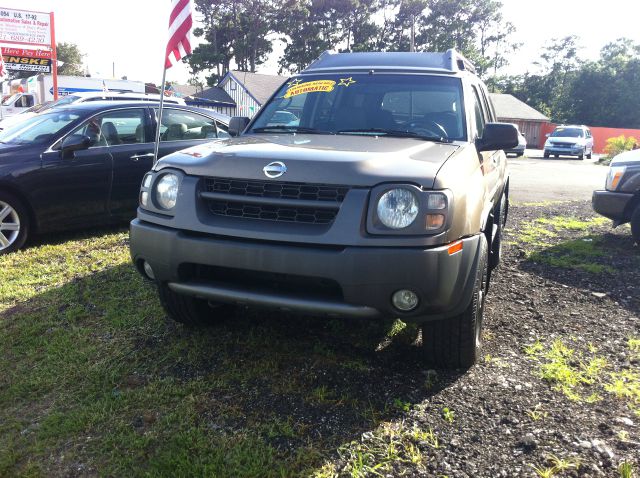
x,y
413,106
37,129
567,133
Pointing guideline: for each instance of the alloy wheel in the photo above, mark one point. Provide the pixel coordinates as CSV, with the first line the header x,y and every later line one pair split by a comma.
x,y
9,225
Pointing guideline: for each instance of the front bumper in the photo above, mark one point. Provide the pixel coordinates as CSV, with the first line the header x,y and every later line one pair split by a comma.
x,y
612,205
572,151
319,280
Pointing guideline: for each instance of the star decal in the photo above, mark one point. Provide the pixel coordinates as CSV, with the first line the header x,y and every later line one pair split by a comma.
x,y
346,81
295,82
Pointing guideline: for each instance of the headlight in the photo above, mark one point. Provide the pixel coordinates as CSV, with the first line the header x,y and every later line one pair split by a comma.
x,y
614,177
167,191
397,208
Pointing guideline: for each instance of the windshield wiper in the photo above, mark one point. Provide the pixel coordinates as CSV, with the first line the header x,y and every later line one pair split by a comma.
x,y
395,133
289,129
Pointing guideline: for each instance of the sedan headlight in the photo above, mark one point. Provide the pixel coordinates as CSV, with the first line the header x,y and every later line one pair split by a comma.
x,y
397,208
166,193
614,177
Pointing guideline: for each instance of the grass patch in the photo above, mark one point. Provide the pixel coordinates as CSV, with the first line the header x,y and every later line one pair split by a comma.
x,y
582,375
94,380
542,243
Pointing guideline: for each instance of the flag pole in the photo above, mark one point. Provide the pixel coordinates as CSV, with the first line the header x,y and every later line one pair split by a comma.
x,y
159,119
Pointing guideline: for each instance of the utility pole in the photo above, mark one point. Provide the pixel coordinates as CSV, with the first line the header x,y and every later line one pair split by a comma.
x,y
412,46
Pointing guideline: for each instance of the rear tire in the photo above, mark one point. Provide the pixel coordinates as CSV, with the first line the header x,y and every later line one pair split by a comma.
x,y
590,154
455,342
14,223
191,311
635,224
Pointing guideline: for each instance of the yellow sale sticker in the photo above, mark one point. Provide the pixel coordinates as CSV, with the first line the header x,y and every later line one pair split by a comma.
x,y
310,87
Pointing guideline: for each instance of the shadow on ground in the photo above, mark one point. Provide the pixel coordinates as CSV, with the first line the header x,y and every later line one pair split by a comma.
x,y
95,379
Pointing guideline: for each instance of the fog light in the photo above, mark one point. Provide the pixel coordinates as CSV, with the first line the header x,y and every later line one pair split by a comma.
x,y
148,270
405,300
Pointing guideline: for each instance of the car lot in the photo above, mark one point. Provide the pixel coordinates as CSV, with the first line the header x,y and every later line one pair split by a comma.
x,y
95,379
534,178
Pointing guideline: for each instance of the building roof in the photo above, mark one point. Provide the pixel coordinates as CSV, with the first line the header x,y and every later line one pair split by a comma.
x,y
215,94
510,107
260,86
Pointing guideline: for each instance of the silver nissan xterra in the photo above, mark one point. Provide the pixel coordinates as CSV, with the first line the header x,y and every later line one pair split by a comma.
x,y
371,185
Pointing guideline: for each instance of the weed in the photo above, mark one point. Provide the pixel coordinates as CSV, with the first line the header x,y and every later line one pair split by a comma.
x,y
537,413
625,469
401,405
448,414
623,435
561,464
544,472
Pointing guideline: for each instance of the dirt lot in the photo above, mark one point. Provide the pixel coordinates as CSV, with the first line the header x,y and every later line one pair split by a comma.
x,y
95,381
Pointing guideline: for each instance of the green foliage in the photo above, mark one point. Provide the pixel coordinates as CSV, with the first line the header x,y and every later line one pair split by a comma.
x,y
70,55
626,470
568,89
619,144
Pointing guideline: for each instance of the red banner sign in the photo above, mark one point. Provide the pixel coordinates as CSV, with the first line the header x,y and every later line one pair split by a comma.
x,y
27,53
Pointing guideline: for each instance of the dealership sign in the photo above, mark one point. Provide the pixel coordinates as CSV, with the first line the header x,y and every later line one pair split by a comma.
x,y
25,28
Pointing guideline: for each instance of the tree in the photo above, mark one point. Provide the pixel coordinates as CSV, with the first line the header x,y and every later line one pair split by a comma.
x,y
235,30
71,57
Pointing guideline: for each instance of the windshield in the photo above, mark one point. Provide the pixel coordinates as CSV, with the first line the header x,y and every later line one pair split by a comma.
x,y
423,106
37,129
567,133
65,100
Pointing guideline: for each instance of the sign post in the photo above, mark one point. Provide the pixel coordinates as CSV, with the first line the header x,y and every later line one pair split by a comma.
x,y
54,55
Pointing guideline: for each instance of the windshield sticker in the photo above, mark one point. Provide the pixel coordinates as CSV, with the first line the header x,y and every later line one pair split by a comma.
x,y
310,87
346,81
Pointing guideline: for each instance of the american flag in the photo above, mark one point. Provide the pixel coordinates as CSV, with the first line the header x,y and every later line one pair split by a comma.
x,y
180,23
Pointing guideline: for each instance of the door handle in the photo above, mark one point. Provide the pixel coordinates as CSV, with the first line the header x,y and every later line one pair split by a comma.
x,y
136,157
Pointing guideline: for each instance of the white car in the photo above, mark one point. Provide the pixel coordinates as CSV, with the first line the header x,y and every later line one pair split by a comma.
x,y
84,97
569,140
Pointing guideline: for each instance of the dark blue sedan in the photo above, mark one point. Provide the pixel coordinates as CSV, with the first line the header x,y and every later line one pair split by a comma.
x,y
82,165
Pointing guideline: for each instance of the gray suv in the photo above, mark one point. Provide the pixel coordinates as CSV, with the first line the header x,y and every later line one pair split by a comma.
x,y
371,185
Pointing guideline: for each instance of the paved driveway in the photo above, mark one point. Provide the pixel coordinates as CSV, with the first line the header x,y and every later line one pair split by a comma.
x,y
535,179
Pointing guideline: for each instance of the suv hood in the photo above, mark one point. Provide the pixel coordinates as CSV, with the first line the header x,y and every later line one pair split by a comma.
x,y
566,139
354,160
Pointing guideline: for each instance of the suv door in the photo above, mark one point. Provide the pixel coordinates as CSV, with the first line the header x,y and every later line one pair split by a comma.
x,y
490,159
128,133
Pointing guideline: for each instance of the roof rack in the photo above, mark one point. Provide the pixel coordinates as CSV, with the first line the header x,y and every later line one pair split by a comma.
x,y
449,62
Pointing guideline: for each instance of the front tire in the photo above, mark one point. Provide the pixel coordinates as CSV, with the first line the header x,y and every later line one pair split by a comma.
x,y
635,224
455,342
546,155
14,223
191,311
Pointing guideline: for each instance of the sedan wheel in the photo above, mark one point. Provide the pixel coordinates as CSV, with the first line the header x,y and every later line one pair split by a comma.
x,y
13,224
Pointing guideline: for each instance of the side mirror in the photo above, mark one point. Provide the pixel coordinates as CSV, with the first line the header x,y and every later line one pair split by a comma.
x,y
237,125
75,142
498,136
547,135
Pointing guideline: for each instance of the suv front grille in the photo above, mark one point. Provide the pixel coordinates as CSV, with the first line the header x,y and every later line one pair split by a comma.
x,y
273,201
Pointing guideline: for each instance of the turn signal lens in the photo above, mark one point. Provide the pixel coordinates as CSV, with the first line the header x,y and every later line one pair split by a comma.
x,y
435,221
144,198
455,247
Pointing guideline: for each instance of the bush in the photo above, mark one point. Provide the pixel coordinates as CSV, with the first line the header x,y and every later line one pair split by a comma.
x,y
618,145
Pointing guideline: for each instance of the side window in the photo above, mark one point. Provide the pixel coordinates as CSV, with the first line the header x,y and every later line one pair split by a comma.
x,y
478,114
183,125
223,131
114,128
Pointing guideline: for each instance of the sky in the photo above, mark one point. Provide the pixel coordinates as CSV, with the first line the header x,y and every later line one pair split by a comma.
x,y
132,34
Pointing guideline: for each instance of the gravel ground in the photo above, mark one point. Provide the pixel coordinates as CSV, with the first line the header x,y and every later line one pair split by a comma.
x,y
506,418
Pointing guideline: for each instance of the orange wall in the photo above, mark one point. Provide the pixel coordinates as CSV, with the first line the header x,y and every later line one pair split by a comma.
x,y
600,135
